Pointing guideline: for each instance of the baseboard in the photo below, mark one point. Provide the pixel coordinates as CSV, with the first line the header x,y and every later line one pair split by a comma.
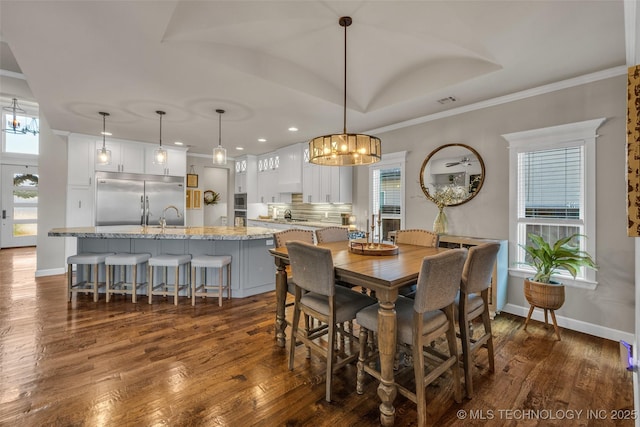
x,y
50,272
574,325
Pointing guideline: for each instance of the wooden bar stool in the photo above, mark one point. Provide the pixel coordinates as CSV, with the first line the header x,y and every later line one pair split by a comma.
x,y
122,261
90,263
164,288
203,262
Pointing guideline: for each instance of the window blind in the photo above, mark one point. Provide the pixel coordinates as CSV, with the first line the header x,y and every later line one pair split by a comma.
x,y
551,183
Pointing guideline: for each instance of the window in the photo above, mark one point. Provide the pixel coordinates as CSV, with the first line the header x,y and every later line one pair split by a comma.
x,y
387,192
20,143
552,190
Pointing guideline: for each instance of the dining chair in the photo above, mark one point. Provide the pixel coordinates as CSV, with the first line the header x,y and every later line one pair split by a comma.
x,y
417,237
312,267
421,321
473,302
332,234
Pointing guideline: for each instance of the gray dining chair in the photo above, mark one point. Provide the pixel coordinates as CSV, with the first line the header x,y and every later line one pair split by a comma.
x,y
473,302
314,273
421,321
332,234
417,237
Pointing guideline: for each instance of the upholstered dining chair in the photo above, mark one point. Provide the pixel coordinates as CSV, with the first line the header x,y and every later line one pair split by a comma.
x,y
312,267
332,234
417,237
473,302
420,322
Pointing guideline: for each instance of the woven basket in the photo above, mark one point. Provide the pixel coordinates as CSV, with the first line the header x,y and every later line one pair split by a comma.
x,y
544,295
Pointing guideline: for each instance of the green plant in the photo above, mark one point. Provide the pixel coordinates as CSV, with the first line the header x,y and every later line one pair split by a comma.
x,y
546,259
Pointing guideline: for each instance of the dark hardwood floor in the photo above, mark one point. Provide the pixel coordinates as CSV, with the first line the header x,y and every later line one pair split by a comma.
x,y
124,364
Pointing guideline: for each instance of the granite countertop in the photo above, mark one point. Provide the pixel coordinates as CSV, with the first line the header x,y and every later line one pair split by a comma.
x,y
316,224
170,232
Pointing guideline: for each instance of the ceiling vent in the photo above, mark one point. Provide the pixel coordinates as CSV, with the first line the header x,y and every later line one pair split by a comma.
x,y
447,100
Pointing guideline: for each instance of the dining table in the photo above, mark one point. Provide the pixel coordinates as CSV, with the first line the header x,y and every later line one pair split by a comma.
x,y
385,275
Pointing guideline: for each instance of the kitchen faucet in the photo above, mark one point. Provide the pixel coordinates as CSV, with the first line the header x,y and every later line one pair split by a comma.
x,y
163,221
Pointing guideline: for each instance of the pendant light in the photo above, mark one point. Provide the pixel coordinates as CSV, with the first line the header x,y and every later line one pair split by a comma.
x,y
160,155
103,156
219,153
345,149
13,125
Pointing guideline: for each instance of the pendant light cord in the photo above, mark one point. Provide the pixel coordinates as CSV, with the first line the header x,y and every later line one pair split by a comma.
x,y
160,113
220,113
345,23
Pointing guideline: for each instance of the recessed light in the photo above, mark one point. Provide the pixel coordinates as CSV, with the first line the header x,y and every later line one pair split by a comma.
x,y
106,133
262,140
239,148
178,143
293,129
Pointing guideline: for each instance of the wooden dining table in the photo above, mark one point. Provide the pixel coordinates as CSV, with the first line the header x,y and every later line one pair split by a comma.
x,y
383,274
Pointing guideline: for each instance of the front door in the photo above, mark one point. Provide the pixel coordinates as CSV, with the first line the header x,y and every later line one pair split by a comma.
x,y
19,206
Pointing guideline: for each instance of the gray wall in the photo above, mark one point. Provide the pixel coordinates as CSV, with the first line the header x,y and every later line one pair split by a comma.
x,y
611,304
52,189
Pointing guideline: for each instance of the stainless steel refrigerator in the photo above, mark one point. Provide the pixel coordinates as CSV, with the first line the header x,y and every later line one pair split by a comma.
x,y
135,199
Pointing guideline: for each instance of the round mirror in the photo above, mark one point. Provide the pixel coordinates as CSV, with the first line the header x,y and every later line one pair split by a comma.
x,y
452,174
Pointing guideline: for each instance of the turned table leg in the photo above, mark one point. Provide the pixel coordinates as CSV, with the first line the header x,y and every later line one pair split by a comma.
x,y
387,389
281,297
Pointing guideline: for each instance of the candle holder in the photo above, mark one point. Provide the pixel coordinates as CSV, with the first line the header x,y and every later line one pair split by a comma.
x,y
373,228
379,232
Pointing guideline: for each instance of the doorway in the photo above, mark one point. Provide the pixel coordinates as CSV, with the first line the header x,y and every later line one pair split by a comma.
x,y
19,206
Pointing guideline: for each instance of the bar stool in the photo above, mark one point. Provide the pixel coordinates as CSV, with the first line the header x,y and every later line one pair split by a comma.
x,y
122,261
202,290
91,263
164,288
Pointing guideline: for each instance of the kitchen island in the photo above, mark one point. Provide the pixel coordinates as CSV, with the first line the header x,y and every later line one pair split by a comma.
x,y
252,269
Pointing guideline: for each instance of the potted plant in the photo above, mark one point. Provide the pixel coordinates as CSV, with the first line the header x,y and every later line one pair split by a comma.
x,y
565,254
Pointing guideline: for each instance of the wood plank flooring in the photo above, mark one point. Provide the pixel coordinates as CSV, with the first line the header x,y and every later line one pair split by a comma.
x,y
124,364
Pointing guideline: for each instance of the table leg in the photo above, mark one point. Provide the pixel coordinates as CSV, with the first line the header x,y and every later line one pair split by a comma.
x,y
281,297
387,389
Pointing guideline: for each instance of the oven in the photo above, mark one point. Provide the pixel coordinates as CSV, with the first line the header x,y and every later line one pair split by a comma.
x,y
240,218
240,201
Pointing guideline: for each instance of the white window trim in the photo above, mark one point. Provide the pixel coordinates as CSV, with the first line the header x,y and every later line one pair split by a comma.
x,y
568,135
391,160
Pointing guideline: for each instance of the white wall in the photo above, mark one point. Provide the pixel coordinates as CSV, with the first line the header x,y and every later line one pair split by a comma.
x,y
611,304
52,187
218,179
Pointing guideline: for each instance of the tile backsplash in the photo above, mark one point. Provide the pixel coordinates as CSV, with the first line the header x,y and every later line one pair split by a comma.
x,y
315,212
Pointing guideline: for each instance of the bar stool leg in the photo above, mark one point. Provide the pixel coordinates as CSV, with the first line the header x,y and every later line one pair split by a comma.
x,y
220,287
95,282
229,281
176,286
150,284
134,283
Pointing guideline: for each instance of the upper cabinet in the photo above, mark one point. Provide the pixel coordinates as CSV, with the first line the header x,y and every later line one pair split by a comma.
x,y
246,177
176,162
326,184
268,177
125,157
290,170
80,155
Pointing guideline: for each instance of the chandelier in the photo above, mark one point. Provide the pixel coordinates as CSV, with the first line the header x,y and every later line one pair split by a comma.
x,y
14,126
345,149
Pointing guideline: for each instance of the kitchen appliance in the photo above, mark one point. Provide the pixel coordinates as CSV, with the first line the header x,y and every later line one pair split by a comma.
x,y
136,199
240,201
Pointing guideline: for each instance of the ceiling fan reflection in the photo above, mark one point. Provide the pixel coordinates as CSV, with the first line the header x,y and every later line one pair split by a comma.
x,y
465,161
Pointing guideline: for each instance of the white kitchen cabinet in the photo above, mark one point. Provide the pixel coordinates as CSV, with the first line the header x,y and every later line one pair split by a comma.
x,y
176,162
268,175
246,177
290,170
80,155
125,157
326,184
